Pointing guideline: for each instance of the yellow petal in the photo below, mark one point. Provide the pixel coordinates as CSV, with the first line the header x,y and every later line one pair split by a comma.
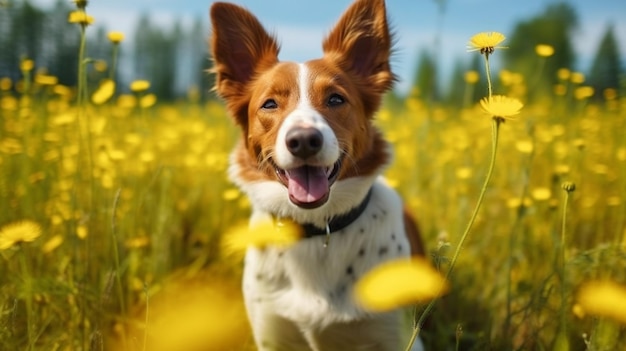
x,y
603,299
399,283
266,233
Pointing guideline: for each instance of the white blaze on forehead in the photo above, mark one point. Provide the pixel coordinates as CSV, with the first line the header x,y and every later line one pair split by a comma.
x,y
305,115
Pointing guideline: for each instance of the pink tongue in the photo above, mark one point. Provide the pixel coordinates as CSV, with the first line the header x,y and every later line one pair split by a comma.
x,y
307,184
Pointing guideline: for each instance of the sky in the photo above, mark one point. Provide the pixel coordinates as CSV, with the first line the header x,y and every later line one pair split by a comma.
x,y
300,25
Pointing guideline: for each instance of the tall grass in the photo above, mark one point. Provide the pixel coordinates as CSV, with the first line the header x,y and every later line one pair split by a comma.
x,y
128,256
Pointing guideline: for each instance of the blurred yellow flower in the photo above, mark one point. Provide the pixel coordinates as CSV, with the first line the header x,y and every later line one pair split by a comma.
x,y
100,65
581,93
127,101
563,73
17,232
544,50
52,244
115,37
104,93
471,77
541,194
577,78
80,17
399,283
82,231
147,101
603,299
500,106
27,65
6,83
486,42
283,233
524,146
139,86
45,79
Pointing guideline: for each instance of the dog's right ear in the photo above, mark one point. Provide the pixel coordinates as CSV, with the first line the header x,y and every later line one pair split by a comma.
x,y
241,48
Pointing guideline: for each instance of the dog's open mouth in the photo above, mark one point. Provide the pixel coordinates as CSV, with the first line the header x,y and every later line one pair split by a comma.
x,y
309,186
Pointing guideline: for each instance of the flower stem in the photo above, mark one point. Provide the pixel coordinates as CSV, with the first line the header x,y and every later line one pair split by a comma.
x,y
494,135
488,73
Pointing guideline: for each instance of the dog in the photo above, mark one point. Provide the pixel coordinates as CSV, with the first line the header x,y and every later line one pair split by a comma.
x,y
309,153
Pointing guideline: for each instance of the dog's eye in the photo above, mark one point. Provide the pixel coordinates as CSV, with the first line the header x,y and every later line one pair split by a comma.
x,y
335,100
269,104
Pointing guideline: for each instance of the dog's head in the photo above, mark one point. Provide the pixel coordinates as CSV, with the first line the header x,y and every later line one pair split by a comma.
x,y
306,126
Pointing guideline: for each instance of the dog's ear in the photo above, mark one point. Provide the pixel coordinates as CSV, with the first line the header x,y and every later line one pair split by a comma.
x,y
241,48
361,43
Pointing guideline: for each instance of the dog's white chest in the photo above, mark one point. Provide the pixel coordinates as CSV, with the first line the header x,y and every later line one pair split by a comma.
x,y
311,284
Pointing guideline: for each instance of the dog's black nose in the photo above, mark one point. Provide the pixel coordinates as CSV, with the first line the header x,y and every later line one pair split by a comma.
x,y
304,141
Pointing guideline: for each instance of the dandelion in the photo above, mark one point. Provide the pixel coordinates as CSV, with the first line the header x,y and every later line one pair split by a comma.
x,y
282,233
544,50
104,93
577,78
541,194
486,42
27,65
563,73
6,83
501,107
139,86
115,37
399,283
148,101
80,17
471,77
603,299
82,231
18,232
52,244
584,92
46,80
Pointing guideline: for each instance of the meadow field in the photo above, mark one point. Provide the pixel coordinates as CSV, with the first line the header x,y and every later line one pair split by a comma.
x,y
113,209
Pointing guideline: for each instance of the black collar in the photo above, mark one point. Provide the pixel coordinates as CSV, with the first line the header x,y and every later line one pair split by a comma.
x,y
339,222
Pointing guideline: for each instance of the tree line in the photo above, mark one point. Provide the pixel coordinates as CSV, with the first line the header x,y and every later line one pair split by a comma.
x,y
174,59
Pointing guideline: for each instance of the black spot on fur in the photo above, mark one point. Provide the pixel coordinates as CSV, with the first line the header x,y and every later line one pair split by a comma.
x,y
383,250
361,252
362,230
375,216
399,248
393,236
349,270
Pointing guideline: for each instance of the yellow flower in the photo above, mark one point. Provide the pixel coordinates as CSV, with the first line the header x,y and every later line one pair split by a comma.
x,y
52,244
541,193
27,65
45,79
115,37
6,84
581,93
148,101
577,77
138,86
499,106
261,235
563,73
471,77
80,17
486,42
603,299
17,232
399,283
544,50
104,92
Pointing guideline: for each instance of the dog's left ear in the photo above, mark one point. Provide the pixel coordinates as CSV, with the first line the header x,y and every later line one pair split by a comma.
x,y
361,44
